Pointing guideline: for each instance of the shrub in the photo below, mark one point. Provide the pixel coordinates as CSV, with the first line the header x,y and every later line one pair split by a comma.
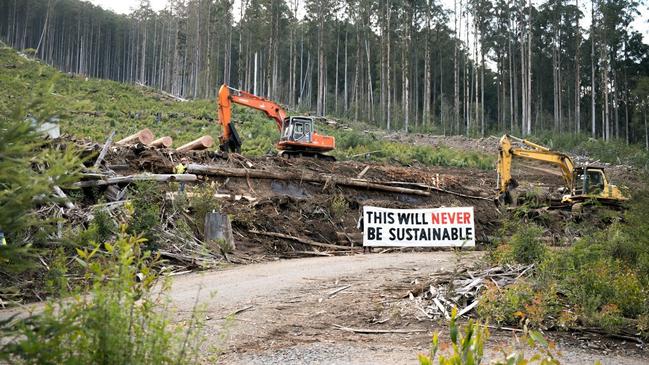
x,y
338,206
526,244
145,212
29,168
600,281
467,347
121,320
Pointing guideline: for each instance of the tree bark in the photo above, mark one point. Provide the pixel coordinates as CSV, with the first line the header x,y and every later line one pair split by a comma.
x,y
133,178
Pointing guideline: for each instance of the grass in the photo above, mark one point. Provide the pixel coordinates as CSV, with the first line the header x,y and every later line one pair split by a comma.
x,y
91,108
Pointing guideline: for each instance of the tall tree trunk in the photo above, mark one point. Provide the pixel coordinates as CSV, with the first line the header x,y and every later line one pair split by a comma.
x,y
388,73
592,70
345,90
646,130
370,91
336,75
406,68
578,75
456,74
427,71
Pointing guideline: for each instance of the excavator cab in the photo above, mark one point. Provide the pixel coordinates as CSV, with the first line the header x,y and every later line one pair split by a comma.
x,y
590,183
589,180
297,129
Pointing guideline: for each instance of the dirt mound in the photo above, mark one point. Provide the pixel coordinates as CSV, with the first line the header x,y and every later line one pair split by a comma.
x,y
284,217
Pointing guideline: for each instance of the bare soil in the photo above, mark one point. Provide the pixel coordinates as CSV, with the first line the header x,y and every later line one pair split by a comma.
x,y
290,316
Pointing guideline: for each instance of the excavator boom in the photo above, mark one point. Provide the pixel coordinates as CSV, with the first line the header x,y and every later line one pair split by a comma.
x,y
535,152
584,183
228,95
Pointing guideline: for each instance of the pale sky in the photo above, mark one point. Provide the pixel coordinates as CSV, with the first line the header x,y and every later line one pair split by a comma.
x,y
125,6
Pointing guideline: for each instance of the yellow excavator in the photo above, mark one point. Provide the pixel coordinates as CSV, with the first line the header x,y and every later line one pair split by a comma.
x,y
586,183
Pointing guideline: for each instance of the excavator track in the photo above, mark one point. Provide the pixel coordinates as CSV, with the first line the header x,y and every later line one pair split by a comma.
x,y
308,154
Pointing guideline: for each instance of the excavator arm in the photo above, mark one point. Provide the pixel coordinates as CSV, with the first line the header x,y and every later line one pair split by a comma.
x,y
228,95
534,152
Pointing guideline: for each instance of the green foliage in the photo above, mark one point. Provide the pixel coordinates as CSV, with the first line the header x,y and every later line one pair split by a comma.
x,y
467,347
358,145
121,320
614,151
600,281
523,246
146,209
338,206
104,225
29,169
526,244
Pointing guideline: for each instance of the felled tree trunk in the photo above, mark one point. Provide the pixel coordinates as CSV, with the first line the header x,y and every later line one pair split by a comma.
x,y
202,143
145,136
132,178
162,142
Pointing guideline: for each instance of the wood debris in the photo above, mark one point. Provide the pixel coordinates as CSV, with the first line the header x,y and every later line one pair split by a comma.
x,y
378,331
461,290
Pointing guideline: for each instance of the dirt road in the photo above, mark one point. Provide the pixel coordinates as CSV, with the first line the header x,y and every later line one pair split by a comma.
x,y
290,309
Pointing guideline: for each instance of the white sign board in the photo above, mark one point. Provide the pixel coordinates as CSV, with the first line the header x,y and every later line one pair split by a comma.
x,y
438,227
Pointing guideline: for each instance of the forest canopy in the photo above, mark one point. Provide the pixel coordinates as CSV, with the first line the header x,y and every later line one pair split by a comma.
x,y
484,66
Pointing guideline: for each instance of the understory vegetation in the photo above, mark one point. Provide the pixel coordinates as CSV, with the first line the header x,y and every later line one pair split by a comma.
x,y
600,282
467,347
115,315
105,289
615,151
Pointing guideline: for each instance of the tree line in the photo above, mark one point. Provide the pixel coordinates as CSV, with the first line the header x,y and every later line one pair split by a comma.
x,y
505,65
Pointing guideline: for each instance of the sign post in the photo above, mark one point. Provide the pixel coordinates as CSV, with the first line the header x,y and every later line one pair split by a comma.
x,y
437,227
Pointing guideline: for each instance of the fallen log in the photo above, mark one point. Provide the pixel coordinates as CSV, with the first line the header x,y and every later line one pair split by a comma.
x,y
312,253
362,173
202,143
172,195
373,331
306,241
429,187
304,176
132,178
145,136
162,142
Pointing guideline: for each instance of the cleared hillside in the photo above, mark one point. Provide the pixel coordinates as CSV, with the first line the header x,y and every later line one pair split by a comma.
x,y
91,108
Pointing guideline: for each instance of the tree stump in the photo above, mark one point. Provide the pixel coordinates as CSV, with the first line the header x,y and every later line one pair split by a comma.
x,y
218,232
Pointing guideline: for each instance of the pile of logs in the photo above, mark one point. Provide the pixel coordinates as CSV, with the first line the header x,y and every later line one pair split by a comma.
x,y
147,138
461,290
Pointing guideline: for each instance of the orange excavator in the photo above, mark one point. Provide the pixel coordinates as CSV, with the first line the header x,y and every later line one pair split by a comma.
x,y
298,137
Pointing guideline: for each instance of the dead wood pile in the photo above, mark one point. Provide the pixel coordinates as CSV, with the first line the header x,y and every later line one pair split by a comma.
x,y
279,207
434,299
